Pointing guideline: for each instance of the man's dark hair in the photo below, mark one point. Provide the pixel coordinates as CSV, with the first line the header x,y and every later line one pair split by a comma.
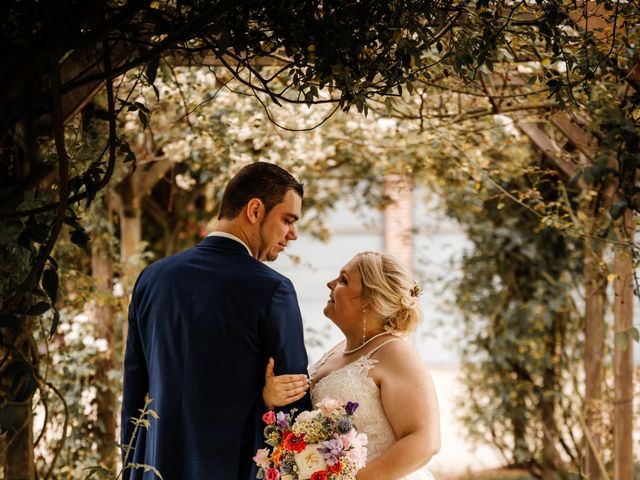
x,y
266,181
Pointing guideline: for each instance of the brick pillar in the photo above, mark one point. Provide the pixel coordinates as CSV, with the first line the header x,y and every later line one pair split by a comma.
x,y
398,219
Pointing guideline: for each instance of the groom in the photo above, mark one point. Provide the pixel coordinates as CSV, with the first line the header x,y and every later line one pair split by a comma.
x,y
202,326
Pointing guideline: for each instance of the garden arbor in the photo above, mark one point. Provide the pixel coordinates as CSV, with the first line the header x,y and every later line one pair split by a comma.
x,y
58,55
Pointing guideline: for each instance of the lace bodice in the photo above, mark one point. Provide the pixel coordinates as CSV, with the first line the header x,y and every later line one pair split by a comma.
x,y
352,383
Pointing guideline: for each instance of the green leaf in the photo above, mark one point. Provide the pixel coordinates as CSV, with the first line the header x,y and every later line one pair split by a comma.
x,y
100,472
621,340
146,468
80,238
152,70
618,208
574,181
635,334
22,379
39,308
50,283
388,103
144,119
72,220
54,324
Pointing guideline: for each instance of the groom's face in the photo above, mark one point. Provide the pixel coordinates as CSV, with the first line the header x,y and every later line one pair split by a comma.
x,y
279,227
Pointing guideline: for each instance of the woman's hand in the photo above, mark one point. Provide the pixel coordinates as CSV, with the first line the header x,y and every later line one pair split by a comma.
x,y
282,390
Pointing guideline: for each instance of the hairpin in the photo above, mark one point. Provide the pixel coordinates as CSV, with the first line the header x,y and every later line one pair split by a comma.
x,y
416,291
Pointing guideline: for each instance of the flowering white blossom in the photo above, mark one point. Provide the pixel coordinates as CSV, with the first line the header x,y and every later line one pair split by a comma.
x,y
309,460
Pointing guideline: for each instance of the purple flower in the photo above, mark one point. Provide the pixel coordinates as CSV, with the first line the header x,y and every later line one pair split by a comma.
x,y
332,451
282,420
351,407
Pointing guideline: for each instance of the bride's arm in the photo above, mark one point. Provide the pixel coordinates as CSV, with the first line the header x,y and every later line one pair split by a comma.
x,y
411,406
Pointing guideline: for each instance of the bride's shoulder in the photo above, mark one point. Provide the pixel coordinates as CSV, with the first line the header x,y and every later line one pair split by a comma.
x,y
399,355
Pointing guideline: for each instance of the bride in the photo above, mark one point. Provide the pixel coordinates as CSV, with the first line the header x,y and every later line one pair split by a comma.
x,y
374,302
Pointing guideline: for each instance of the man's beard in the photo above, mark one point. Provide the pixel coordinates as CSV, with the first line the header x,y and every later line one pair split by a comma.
x,y
270,255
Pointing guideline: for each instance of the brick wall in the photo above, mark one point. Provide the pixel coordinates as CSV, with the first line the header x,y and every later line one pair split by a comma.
x,y
398,219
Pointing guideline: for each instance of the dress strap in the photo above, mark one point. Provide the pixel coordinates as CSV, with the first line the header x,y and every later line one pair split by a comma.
x,y
382,345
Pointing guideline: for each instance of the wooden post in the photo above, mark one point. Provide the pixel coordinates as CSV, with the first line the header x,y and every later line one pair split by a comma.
x,y
130,237
623,351
103,315
550,385
19,454
595,294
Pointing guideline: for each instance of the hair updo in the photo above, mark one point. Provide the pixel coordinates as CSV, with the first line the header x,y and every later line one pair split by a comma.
x,y
390,290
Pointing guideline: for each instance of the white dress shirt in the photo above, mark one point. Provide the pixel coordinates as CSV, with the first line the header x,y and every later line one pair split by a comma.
x,y
232,237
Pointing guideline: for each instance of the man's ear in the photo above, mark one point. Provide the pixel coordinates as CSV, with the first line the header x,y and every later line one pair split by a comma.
x,y
254,210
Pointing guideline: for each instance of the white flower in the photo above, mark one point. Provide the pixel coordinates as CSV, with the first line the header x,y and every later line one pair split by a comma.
x,y
309,461
184,182
81,318
118,289
101,345
306,416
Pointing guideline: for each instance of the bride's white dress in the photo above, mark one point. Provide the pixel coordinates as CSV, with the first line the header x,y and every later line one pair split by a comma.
x,y
352,383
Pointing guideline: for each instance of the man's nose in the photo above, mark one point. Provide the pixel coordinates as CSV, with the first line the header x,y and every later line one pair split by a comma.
x,y
293,232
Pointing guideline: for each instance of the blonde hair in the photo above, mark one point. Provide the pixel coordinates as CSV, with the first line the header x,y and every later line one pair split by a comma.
x,y
388,287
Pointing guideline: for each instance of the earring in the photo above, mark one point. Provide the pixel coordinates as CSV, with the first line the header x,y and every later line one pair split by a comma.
x,y
364,324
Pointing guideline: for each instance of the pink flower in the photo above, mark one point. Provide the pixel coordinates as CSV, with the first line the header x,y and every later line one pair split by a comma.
x,y
262,458
355,444
273,474
329,406
269,418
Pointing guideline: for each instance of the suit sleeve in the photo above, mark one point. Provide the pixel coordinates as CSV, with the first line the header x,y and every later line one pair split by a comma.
x,y
284,337
136,380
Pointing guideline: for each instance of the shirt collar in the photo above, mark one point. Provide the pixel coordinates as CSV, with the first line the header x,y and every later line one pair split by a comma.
x,y
231,237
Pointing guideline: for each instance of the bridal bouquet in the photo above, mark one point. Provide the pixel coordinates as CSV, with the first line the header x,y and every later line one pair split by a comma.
x,y
320,444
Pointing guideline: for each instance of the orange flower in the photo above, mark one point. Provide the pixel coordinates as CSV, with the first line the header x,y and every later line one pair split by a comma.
x,y
294,443
277,456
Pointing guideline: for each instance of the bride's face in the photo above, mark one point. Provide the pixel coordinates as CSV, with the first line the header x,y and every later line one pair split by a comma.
x,y
344,306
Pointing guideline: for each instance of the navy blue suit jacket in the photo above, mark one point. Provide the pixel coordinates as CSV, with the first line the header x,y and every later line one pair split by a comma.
x,y
202,325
